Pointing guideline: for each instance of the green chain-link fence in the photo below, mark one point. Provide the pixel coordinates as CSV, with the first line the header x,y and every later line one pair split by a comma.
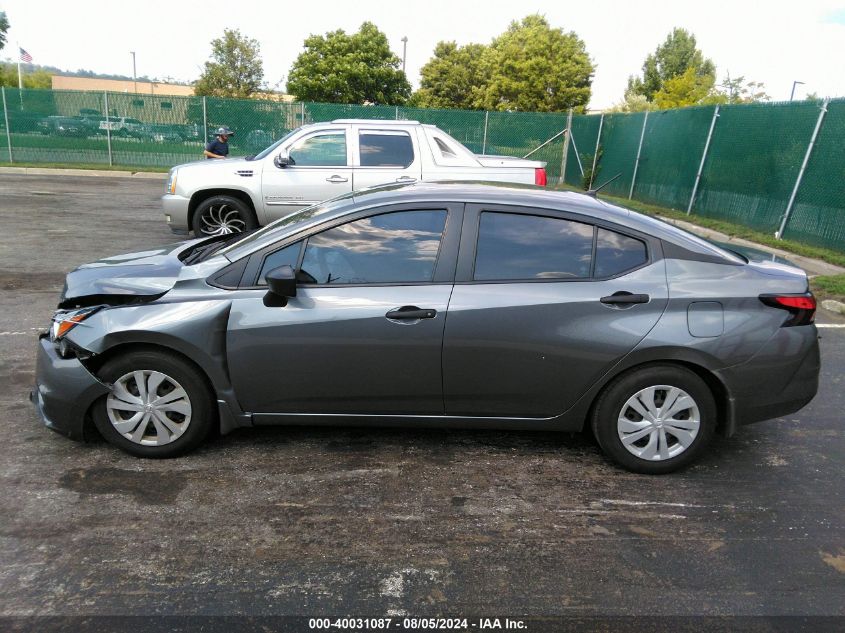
x,y
748,173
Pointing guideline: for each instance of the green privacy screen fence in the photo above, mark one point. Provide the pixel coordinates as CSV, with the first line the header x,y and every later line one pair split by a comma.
x,y
773,167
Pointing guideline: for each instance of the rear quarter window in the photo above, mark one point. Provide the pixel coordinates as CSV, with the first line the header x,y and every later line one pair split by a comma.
x,y
617,253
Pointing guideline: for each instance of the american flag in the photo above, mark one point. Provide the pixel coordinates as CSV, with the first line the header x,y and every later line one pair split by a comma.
x,y
25,57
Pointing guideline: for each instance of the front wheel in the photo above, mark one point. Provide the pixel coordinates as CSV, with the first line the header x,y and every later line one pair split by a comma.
x,y
656,419
222,215
159,405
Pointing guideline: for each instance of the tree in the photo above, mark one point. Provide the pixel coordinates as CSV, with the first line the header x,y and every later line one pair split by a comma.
x,y
534,67
671,59
453,78
740,91
341,68
4,27
235,68
633,102
38,79
686,89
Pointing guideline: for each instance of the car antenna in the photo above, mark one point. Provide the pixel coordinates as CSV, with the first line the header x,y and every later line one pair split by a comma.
x,y
593,192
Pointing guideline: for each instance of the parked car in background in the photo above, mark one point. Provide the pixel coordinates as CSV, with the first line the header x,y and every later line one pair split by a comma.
x,y
319,161
165,133
123,126
65,126
444,304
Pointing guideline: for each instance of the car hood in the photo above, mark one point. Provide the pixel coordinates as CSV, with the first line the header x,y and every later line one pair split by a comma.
x,y
143,274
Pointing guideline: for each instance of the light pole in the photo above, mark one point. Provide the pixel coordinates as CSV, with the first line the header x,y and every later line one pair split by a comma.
x,y
134,74
404,51
794,83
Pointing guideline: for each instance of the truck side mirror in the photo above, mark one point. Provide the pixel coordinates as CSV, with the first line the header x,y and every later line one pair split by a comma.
x,y
283,160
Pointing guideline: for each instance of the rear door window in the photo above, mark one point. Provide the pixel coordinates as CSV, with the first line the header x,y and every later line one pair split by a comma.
x,y
385,149
523,247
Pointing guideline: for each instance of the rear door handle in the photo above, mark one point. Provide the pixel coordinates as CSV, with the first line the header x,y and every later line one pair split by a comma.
x,y
337,179
411,313
406,179
624,298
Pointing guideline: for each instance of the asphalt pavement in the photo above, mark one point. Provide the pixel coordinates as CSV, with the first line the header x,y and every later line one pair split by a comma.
x,y
311,521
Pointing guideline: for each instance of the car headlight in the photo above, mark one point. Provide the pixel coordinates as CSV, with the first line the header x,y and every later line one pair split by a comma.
x,y
64,321
171,183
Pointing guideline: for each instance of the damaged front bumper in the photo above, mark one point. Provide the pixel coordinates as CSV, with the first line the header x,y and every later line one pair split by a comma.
x,y
64,391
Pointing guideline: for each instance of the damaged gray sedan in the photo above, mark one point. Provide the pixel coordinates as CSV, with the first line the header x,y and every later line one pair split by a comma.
x,y
459,305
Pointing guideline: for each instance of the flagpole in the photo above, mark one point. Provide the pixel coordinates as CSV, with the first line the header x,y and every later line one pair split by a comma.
x,y
20,80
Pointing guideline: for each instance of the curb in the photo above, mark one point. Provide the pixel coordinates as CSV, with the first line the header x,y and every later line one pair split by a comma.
x,y
834,306
101,173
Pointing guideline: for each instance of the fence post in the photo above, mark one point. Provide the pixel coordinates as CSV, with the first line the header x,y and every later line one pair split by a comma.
x,y
566,136
596,153
204,122
484,142
397,113
637,161
108,124
779,234
703,158
302,113
6,118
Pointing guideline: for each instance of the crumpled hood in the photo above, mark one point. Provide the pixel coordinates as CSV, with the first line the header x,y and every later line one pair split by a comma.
x,y
145,273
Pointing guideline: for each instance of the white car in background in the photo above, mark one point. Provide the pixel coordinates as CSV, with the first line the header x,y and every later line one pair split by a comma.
x,y
320,161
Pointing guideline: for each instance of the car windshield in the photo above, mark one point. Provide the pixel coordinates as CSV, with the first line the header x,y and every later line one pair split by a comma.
x,y
288,224
267,151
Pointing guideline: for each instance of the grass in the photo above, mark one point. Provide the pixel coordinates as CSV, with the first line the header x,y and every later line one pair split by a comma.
x,y
734,230
829,287
96,166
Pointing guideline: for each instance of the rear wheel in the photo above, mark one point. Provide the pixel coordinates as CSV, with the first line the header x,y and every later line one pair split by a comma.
x,y
656,419
159,405
221,215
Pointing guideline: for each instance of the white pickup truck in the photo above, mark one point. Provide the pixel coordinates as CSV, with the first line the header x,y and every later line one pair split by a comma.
x,y
320,161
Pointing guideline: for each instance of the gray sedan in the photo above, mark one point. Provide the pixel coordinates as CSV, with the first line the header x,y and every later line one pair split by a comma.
x,y
434,305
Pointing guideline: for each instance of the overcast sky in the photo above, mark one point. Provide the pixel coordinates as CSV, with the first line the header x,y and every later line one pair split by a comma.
x,y
775,42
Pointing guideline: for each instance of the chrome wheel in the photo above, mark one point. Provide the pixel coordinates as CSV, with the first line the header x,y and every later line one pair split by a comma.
x,y
221,219
149,408
658,423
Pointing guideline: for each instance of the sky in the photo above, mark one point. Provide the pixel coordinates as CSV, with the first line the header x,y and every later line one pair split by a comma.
x,y
776,42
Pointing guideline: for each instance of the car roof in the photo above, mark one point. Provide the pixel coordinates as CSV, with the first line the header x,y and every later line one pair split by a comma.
x,y
532,196
376,121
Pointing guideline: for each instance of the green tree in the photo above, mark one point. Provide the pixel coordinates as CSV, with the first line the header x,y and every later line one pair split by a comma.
x,y
235,68
671,59
40,79
4,27
342,68
740,91
534,67
686,89
453,78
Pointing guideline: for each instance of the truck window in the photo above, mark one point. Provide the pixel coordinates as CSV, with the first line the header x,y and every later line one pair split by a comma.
x,y
385,149
320,150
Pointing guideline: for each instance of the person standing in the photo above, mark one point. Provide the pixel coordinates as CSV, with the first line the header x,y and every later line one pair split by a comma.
x,y
219,147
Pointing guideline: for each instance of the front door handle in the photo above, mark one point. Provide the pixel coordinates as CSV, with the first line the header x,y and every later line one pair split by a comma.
x,y
337,179
411,312
624,298
406,179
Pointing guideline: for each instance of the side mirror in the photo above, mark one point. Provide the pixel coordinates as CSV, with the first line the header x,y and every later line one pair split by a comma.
x,y
283,160
282,284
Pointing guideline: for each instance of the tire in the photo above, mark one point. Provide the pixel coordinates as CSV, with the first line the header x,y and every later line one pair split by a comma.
x,y
186,426
222,215
662,446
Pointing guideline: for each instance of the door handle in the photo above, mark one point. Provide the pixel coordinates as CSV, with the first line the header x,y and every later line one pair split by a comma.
x,y
411,312
406,179
337,179
624,298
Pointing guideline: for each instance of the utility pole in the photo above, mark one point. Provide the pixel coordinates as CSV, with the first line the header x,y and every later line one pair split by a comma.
x,y
404,52
134,73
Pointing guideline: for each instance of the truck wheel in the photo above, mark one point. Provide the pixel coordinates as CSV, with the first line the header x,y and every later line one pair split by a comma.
x,y
221,215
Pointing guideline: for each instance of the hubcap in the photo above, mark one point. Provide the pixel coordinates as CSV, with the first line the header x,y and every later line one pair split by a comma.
x,y
659,422
148,407
221,220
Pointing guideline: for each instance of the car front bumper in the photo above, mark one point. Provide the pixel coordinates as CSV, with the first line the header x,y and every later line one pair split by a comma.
x,y
176,213
64,391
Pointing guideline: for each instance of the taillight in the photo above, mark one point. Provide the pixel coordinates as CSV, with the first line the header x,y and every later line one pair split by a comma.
x,y
540,176
802,308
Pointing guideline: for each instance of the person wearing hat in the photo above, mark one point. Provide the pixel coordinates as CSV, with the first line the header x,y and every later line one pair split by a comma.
x,y
219,147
